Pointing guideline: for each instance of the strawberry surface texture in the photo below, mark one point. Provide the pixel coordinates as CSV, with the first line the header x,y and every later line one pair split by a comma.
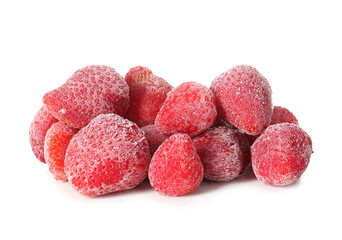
x,y
56,143
220,153
281,154
176,168
154,137
110,154
40,124
189,108
89,92
147,93
244,98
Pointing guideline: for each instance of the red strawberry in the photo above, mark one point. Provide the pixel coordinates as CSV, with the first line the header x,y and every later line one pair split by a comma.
x,y
147,93
223,123
176,168
245,148
279,115
154,137
281,154
243,98
56,143
90,91
189,108
110,154
282,115
220,153
42,121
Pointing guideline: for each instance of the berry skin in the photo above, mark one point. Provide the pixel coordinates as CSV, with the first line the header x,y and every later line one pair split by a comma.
x,y
279,115
147,93
189,108
243,98
89,92
176,168
245,148
281,154
154,137
56,143
42,121
110,154
222,123
282,115
220,153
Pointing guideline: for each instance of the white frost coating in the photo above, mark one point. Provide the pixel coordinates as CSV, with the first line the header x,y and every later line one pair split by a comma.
x,y
109,145
62,111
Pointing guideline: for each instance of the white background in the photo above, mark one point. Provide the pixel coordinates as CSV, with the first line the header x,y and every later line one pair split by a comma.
x,y
296,45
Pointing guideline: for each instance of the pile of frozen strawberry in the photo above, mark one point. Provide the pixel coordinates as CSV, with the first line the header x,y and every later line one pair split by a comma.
x,y
104,133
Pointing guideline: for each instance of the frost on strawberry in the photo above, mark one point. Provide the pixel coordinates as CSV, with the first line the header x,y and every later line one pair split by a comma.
x,y
281,154
56,143
220,153
89,92
244,99
189,108
176,168
154,137
40,124
147,93
110,154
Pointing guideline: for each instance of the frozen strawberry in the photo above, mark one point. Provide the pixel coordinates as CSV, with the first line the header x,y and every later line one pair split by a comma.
x,y
279,115
220,153
147,93
154,137
56,143
110,154
243,98
90,91
176,168
281,154
282,115
189,108
245,148
220,122
42,121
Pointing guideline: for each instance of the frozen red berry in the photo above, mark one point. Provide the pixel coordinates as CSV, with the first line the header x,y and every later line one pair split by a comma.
x,y
279,115
90,91
281,154
176,168
220,153
245,148
42,121
282,115
147,93
110,154
220,122
56,143
189,108
154,137
243,98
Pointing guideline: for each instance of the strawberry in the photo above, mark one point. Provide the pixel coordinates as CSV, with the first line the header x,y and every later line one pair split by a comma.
x,y
56,143
154,137
189,108
90,91
42,121
110,154
279,115
282,115
220,153
176,168
281,154
147,93
244,98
